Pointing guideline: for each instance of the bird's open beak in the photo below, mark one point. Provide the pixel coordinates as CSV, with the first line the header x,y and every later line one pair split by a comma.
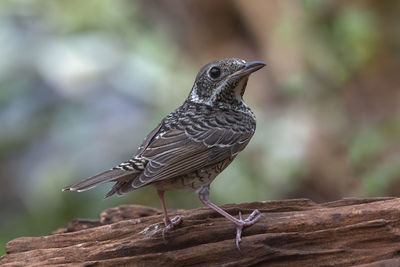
x,y
249,68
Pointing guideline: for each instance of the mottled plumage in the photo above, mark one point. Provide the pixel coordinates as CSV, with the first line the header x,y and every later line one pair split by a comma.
x,y
195,142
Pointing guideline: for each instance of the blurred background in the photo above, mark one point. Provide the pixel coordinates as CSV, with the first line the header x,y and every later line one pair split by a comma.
x,y
83,82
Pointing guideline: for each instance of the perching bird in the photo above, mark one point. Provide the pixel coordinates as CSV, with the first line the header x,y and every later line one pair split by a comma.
x,y
194,143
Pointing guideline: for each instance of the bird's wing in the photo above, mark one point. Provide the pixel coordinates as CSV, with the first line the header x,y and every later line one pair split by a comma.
x,y
147,140
199,143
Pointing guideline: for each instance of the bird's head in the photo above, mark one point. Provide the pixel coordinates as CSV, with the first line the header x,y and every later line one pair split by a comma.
x,y
223,82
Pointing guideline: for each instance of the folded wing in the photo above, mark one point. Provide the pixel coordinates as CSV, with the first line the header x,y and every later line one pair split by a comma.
x,y
195,146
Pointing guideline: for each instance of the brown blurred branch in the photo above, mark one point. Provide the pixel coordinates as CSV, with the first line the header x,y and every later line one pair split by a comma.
x,y
292,233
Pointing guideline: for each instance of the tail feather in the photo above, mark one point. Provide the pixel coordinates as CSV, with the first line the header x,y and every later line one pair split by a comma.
x,y
120,187
122,172
107,176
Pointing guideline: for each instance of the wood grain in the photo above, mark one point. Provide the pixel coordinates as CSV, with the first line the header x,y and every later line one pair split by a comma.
x,y
299,232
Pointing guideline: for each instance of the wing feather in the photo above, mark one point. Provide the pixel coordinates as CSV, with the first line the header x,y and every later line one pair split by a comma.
x,y
195,146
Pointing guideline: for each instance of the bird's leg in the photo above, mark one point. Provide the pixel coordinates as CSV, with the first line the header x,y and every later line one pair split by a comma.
x,y
204,195
169,224
167,221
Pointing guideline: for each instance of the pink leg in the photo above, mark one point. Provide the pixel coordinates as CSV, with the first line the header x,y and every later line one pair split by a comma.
x,y
167,221
169,224
239,223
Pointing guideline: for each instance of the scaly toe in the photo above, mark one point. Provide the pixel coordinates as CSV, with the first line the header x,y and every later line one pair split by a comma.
x,y
174,222
240,224
238,236
253,218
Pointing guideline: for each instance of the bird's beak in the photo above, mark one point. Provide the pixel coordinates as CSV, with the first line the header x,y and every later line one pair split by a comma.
x,y
249,68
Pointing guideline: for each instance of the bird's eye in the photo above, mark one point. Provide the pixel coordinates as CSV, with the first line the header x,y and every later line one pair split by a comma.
x,y
214,72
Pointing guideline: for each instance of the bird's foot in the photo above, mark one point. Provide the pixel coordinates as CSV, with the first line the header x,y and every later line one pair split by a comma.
x,y
169,224
240,224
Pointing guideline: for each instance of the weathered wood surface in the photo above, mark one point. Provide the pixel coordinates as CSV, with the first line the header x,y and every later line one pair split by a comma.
x,y
348,232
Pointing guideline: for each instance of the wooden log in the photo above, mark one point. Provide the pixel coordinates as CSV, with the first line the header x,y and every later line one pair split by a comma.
x,y
299,232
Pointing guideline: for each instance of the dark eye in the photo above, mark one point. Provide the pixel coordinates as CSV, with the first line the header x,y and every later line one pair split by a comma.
x,y
215,72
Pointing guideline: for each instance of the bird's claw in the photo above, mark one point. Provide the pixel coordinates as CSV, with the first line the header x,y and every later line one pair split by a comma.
x,y
171,224
240,224
176,220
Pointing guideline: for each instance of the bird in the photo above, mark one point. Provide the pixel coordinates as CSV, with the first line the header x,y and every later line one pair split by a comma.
x,y
194,143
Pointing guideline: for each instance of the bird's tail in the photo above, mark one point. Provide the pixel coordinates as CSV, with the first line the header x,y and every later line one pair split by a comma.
x,y
123,172
120,187
107,176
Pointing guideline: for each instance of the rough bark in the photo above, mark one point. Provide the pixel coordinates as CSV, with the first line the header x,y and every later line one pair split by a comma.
x,y
348,232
